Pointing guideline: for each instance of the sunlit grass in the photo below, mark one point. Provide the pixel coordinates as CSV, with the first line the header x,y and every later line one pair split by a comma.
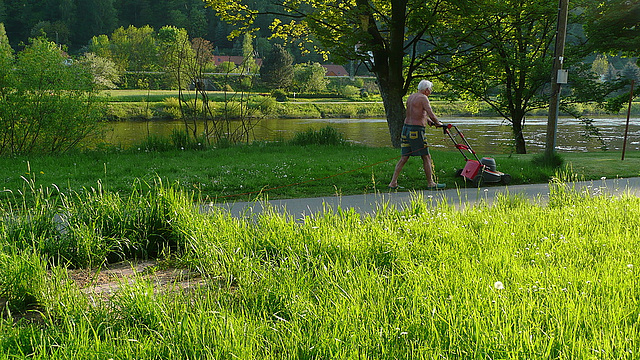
x,y
277,170
417,283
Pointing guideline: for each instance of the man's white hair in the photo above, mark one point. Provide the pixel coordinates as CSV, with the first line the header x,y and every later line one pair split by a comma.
x,y
425,84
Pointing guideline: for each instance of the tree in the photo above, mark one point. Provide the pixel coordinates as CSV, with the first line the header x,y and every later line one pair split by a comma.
x,y
131,49
613,26
600,66
309,77
175,53
277,68
97,17
507,64
104,71
6,62
393,38
47,106
57,32
3,11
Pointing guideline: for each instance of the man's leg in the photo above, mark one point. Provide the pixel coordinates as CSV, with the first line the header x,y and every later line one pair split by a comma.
x,y
428,169
396,171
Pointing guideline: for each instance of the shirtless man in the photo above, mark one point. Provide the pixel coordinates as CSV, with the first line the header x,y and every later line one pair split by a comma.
x,y
414,143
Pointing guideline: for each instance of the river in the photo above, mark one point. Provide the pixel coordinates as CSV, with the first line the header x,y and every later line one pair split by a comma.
x,y
486,135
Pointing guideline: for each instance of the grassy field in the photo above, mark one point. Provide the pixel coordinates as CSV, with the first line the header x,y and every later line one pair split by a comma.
x,y
511,281
105,255
278,170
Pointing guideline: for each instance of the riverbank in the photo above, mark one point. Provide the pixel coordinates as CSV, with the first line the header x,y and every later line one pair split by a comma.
x,y
162,105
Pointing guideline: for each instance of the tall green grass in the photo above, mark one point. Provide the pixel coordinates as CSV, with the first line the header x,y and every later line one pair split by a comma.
x,y
513,280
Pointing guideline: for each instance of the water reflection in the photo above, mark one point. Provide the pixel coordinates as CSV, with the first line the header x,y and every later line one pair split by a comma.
x,y
487,136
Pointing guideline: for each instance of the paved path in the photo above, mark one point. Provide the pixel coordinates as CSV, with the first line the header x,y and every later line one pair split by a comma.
x,y
370,203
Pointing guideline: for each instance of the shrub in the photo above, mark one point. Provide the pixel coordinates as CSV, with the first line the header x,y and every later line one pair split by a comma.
x,y
349,91
279,95
47,106
325,136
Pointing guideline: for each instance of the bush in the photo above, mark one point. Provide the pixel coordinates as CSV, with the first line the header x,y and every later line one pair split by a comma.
x,y
349,91
280,95
47,106
325,136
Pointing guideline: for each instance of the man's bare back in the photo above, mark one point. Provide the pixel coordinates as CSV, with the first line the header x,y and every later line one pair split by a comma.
x,y
419,110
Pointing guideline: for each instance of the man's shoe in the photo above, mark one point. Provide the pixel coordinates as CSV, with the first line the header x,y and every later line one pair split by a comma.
x,y
437,187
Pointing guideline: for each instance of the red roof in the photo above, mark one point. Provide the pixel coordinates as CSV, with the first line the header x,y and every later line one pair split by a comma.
x,y
336,70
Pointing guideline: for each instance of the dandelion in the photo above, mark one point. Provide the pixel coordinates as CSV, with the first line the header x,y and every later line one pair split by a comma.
x,y
603,178
630,266
498,285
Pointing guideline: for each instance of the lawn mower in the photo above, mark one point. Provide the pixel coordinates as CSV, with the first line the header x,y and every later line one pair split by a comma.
x,y
478,171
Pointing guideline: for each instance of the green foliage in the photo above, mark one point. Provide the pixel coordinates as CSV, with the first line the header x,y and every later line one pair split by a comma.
x,y
309,78
47,106
177,57
104,71
624,36
6,59
349,91
131,48
326,136
277,68
280,95
22,278
226,67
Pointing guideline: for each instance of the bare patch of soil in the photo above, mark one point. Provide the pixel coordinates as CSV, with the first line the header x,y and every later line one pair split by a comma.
x,y
104,282
107,280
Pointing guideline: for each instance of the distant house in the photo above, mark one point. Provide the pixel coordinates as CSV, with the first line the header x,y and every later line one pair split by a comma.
x,y
335,70
219,59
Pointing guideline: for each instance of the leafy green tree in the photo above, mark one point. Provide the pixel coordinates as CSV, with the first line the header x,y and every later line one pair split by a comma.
x,y
176,54
104,71
57,32
6,61
600,66
97,17
613,26
507,62
131,48
249,65
277,68
630,72
101,46
310,77
392,38
47,106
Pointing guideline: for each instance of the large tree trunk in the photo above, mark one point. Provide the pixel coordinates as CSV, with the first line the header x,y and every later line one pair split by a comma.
x,y
518,136
394,109
388,65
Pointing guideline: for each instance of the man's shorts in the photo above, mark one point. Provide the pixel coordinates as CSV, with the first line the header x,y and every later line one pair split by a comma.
x,y
413,141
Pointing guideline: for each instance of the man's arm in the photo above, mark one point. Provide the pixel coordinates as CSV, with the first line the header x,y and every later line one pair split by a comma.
x,y
432,119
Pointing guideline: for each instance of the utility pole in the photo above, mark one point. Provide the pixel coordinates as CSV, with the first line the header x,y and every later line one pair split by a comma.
x,y
559,77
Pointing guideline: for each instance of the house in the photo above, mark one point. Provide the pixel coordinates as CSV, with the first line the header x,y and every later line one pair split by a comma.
x,y
335,70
